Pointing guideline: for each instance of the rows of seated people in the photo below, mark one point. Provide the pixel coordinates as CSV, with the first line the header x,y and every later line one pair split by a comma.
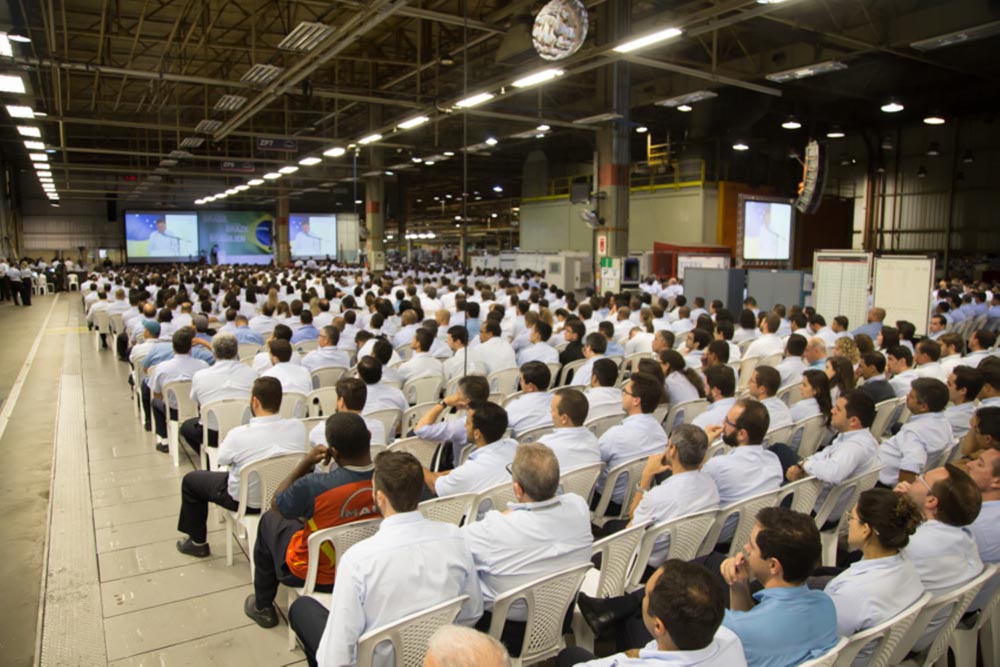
x,y
887,441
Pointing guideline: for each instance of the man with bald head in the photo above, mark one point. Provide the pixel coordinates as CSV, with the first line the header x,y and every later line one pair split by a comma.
x,y
875,318
815,354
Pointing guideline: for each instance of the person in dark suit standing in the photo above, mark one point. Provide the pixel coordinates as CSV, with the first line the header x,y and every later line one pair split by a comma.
x,y
871,373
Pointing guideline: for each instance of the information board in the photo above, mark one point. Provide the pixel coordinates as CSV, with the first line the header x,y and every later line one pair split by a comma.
x,y
903,286
840,285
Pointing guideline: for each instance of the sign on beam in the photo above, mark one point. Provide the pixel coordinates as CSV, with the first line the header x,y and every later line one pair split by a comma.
x,y
238,166
283,145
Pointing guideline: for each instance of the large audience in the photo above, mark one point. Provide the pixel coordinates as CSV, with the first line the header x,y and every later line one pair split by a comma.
x,y
530,384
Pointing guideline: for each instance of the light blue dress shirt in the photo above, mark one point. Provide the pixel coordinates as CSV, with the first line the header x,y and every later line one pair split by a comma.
x,y
715,414
528,411
779,413
263,437
486,468
682,493
247,335
920,438
850,454
680,389
743,472
807,407
574,447
725,650
637,435
959,417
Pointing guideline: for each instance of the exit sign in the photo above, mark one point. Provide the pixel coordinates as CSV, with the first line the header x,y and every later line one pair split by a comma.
x,y
131,178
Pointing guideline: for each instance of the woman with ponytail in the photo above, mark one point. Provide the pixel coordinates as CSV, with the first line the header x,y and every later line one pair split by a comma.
x,y
682,383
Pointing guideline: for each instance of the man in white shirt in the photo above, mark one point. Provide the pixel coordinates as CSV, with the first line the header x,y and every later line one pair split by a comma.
x,y
573,444
293,378
264,323
493,352
938,327
327,354
815,354
471,390
405,333
182,366
952,347
603,397
539,534
768,342
267,435
927,360
985,473
817,326
428,560
421,363
380,396
262,360
539,348
964,385
980,343
720,387
983,433
899,360
924,435
351,396
764,385
163,244
792,366
593,349
150,335
532,408
457,365
227,378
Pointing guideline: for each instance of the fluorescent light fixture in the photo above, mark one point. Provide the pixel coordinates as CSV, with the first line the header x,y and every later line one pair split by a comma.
x,y
370,139
290,169
271,176
797,73
497,188
740,146
687,99
207,126
167,162
19,38
211,198
336,151
6,49
958,37
38,157
429,163
191,142
642,129
199,202
684,107
254,182
11,83
648,40
543,128
34,145
222,195
232,191
538,77
45,179
892,106
43,173
305,37
934,120
413,122
261,74
18,111
230,103
310,161
791,124
416,160
474,100
241,187
29,131
835,133
449,154
491,141
598,118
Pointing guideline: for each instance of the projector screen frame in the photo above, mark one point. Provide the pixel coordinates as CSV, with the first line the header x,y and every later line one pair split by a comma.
x,y
741,259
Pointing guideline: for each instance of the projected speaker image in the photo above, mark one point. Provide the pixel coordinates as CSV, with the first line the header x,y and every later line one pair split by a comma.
x,y
313,234
768,230
161,235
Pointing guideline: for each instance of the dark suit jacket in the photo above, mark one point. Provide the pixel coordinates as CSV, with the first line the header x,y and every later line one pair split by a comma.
x,y
879,390
572,352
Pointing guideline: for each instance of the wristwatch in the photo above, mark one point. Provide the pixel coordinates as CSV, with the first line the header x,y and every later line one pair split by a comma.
x,y
443,404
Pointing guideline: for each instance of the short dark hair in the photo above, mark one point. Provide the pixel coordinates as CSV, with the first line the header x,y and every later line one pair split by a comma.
x,y
606,372
931,348
491,327
769,378
267,391
607,329
544,330
901,352
536,373
347,432
476,388
281,349
597,342
370,369
724,327
721,378
332,334
747,319
575,405
354,392
720,349
424,339
985,337
689,602
460,334
701,337
490,420
861,405
282,332
796,345
577,327
970,379
959,499
648,389
792,539
931,392
773,322
989,422
182,340
874,359
306,317
382,350
755,420
400,477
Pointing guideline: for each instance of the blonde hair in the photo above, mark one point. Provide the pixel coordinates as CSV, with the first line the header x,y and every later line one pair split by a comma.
x,y
845,347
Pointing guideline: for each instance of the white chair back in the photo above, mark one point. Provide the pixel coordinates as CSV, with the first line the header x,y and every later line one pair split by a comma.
x,y
410,635
449,509
226,414
631,470
322,402
782,434
390,418
504,381
343,537
807,435
791,394
424,450
405,351
747,364
747,510
248,350
687,533
310,423
844,495
415,413
554,368
684,413
533,434
497,496
771,360
306,346
983,632
803,493
271,472
423,389
581,481
293,405
566,377
617,553
886,413
327,377
828,658
888,634
599,425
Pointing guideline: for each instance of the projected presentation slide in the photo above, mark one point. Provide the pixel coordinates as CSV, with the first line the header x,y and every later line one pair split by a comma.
x,y
237,237
161,236
313,234
767,230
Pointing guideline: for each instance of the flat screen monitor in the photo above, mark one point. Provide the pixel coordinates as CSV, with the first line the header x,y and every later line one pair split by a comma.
x,y
313,234
161,236
767,230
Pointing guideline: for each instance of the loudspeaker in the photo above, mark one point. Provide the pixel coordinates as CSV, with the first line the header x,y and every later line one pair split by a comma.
x,y
814,171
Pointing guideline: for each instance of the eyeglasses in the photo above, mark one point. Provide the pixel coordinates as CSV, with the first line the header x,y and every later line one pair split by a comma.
x,y
727,422
920,478
851,516
626,391
510,468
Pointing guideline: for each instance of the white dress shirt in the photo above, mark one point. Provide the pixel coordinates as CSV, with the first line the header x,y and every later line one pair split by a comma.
x,y
262,361
383,397
850,454
456,367
680,389
779,413
532,540
293,378
640,343
715,413
744,472
429,560
805,408
603,401
317,436
932,369
765,345
226,379
262,438
901,382
326,357
421,364
496,354
528,411
986,529
725,650
791,369
959,417
542,352
179,368
638,435
949,363
741,335
920,438
485,468
684,492
574,447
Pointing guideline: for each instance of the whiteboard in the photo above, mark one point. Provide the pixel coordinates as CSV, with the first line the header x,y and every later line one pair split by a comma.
x,y
840,285
902,287
700,261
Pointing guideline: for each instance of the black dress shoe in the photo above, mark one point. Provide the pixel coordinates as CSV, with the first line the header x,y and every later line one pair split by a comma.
x,y
596,613
265,618
191,549
163,447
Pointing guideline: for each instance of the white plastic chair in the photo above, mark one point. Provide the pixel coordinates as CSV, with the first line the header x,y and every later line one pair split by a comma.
x,y
617,553
510,398
533,434
504,381
771,360
803,492
888,634
747,510
410,635
599,425
547,600
782,434
73,282
791,393
178,392
312,422
684,413
293,405
101,322
248,350
327,377
449,509
138,374
423,389
424,450
985,631
322,402
717,448
660,412
114,323
415,413
686,534
807,435
844,495
581,481
497,496
829,658
554,368
632,470
747,364
566,377
885,412
306,346
271,472
405,351
390,418
226,414
632,359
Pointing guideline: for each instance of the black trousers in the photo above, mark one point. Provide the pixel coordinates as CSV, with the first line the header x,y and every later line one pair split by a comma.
x,y
4,288
160,416
146,399
25,292
15,290
574,656
122,347
307,616
198,489
270,568
191,431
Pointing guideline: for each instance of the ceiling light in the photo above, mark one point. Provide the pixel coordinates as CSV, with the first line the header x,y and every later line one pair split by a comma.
x,y
45,179
543,128
241,188
38,157
886,144
416,160
336,151
598,118
6,49
207,126
835,133
922,172
43,173
538,77
11,83
934,120
211,198
491,141
684,107
310,161
254,182
34,145
290,169
740,146
892,106
642,129
358,201
271,176
221,195
951,38
17,111
647,40
475,100
687,99
429,163
260,74
968,157
50,150
370,139
232,191
19,38
230,103
497,189
191,142
791,123
934,149
804,72
413,122
449,153
29,131
305,37
540,135
494,215
168,163
199,202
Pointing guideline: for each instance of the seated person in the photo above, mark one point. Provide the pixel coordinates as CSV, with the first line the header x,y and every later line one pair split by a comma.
x,y
459,646
471,390
924,435
532,408
574,445
602,395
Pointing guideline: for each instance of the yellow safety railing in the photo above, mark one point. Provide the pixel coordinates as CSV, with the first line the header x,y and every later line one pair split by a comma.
x,y
643,177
